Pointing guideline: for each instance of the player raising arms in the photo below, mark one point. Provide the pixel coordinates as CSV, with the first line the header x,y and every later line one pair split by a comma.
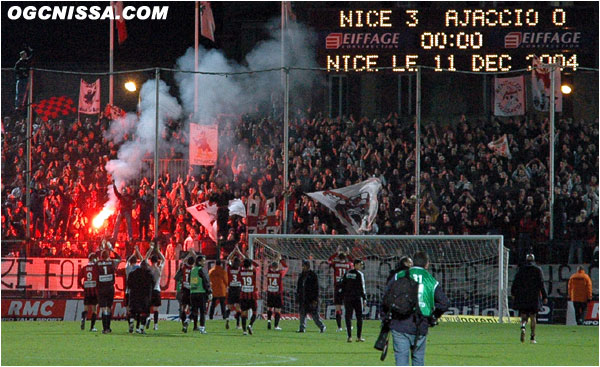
x,y
106,283
183,275
341,262
88,278
132,264
158,263
234,286
275,290
249,293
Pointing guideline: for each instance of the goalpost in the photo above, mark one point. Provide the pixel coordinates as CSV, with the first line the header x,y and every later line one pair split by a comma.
x,y
472,270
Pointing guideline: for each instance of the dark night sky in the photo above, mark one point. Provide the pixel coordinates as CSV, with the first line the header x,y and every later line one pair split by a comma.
x,y
71,41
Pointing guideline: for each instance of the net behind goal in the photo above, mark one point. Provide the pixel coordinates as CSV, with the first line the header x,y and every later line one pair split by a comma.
x,y
472,270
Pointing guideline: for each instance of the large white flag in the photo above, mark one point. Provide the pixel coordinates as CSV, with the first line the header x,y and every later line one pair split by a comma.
x,y
509,96
355,206
540,87
204,144
89,97
206,214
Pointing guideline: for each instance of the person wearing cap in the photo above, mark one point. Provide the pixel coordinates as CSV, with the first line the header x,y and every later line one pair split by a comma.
x,y
528,294
307,295
355,296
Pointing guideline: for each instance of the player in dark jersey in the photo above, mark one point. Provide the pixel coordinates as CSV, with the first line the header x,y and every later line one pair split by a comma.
x,y
249,293
341,262
158,263
355,297
234,287
183,275
132,265
107,268
275,290
88,278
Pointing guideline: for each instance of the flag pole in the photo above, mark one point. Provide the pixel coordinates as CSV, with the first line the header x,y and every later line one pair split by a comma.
x,y
418,153
196,41
111,56
551,142
282,42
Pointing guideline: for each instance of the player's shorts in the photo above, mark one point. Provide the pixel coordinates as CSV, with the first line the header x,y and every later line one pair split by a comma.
x,y
140,306
338,299
106,296
248,304
233,295
185,297
274,300
198,301
90,299
156,299
528,310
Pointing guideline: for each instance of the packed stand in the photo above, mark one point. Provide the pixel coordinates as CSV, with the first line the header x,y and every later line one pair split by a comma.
x,y
465,187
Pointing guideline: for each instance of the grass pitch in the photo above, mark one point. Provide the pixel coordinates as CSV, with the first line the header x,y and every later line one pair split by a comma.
x,y
63,343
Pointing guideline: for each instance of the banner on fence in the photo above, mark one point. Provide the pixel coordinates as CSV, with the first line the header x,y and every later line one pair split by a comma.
x,y
204,144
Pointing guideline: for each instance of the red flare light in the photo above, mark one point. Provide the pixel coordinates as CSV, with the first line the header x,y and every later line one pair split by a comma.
x,y
99,220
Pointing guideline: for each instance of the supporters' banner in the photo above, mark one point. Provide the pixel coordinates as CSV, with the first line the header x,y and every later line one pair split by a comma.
x,y
541,84
54,107
500,146
204,143
207,26
591,314
113,112
89,97
60,274
121,27
355,206
206,214
509,96
262,216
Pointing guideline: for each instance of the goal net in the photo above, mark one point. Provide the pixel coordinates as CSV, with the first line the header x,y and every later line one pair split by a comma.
x,y
473,270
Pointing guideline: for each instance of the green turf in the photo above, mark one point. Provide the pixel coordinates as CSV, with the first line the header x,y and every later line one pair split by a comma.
x,y
63,343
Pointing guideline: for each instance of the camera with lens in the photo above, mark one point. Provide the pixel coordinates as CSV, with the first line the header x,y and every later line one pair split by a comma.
x,y
382,340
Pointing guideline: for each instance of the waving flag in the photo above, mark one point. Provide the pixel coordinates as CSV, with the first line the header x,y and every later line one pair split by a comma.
x,y
500,146
89,97
541,84
54,107
113,112
355,206
206,214
121,27
509,96
207,21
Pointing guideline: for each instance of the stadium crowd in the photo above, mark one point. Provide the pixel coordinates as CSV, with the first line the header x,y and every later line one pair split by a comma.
x,y
465,187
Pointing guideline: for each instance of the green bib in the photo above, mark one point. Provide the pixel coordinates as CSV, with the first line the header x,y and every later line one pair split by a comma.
x,y
427,284
196,281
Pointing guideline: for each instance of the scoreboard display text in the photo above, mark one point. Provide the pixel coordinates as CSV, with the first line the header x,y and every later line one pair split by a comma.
x,y
490,40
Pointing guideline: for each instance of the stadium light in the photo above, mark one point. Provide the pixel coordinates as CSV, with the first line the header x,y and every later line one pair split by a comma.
x,y
130,86
565,89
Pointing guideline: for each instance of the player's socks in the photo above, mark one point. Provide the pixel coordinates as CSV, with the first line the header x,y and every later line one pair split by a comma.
x,y
182,317
244,323
349,327
155,318
83,317
148,320
269,313
108,317
227,313
252,319
130,325
104,322
195,318
338,318
93,322
277,318
237,319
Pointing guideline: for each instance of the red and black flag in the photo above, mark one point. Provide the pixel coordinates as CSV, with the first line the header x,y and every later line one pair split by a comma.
x,y
54,107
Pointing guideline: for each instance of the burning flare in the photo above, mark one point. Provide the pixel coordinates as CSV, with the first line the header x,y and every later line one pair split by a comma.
x,y
102,216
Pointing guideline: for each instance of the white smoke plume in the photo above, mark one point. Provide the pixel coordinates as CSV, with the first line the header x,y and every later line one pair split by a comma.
x,y
130,158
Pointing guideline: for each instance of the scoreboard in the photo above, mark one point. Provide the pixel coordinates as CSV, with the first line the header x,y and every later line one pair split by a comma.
x,y
467,39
